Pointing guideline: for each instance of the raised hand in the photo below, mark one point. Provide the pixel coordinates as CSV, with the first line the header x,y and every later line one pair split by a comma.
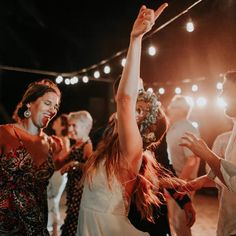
x,y
146,19
196,145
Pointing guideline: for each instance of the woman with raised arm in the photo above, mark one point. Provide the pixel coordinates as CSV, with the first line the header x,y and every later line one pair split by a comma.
x,y
27,162
119,167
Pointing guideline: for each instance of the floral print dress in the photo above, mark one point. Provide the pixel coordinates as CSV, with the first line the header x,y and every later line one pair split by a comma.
x,y
23,195
73,192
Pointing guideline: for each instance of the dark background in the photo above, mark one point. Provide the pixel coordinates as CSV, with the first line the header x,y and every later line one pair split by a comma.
x,y
68,36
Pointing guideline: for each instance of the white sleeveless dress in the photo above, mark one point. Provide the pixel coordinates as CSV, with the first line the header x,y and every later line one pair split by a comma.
x,y
104,211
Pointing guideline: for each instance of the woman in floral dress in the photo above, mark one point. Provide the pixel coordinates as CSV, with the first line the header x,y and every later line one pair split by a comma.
x,y
27,162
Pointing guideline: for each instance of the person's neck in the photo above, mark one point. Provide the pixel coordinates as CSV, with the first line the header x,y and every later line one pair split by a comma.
x,y
29,127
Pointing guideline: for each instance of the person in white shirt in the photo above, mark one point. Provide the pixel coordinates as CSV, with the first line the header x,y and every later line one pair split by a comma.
x,y
184,162
225,170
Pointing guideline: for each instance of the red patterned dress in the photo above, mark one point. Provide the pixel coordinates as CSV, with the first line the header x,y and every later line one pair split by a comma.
x,y
23,195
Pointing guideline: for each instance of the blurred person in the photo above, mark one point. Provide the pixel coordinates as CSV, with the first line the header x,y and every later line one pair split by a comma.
x,y
80,124
185,162
223,169
119,166
58,181
28,160
160,213
161,226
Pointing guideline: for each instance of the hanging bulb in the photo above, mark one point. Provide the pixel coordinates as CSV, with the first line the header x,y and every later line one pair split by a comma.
x,y
190,26
152,51
107,69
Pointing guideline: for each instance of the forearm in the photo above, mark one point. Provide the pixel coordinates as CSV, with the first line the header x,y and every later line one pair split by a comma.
x,y
189,168
214,162
130,76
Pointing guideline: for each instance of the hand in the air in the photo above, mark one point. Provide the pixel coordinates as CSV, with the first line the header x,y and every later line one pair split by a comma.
x,y
146,19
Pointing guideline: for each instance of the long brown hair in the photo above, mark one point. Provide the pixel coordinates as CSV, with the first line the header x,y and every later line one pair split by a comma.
x,y
145,193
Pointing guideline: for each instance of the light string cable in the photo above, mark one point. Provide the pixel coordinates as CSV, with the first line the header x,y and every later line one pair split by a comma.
x,y
84,70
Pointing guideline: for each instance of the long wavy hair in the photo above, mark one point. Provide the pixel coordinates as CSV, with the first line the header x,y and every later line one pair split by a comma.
x,y
151,174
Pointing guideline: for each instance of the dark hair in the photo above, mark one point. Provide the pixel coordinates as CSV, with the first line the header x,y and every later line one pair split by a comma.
x,y
34,91
231,75
64,123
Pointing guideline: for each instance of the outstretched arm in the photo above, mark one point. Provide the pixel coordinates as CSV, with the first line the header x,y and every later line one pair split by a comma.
x,y
200,149
129,136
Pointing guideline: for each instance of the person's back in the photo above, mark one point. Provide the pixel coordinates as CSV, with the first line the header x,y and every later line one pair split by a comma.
x,y
184,162
101,205
179,155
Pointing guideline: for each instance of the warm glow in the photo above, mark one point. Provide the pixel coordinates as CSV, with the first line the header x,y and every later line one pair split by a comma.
x,y
201,101
107,69
178,90
74,80
190,26
219,86
194,88
67,81
195,124
96,74
123,61
220,102
85,79
161,90
59,79
150,90
152,51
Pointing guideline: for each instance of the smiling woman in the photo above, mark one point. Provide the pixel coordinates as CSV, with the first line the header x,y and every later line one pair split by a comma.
x,y
27,161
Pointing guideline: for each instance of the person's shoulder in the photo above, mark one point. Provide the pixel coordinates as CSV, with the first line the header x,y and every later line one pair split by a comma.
x,y
6,133
6,128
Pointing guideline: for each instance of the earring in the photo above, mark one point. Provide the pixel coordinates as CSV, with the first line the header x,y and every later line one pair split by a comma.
x,y
27,113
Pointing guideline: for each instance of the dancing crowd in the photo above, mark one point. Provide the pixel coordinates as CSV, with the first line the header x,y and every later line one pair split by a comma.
x,y
137,177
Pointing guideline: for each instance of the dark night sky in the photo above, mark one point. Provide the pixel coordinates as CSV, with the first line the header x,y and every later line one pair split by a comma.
x,y
66,36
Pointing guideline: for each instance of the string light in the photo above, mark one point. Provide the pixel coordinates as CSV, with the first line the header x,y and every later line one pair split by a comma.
x,y
96,74
67,81
219,86
85,79
194,88
107,69
152,51
178,90
123,61
190,26
59,79
161,90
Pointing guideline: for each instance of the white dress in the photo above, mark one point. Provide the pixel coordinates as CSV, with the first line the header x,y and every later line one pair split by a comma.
x,y
103,211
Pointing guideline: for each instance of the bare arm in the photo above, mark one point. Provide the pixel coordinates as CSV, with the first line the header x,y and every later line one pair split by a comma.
x,y
129,136
189,167
199,148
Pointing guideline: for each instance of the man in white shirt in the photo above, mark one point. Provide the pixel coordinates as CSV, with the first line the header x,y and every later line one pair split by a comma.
x,y
184,162
223,169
